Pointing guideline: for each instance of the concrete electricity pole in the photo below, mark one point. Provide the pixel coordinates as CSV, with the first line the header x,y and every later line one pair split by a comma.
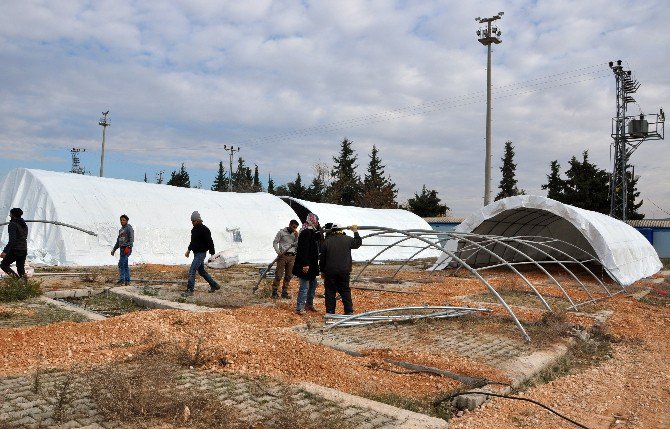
x,y
486,36
104,123
231,151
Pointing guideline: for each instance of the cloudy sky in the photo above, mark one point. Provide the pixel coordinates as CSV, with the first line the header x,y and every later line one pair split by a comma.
x,y
288,80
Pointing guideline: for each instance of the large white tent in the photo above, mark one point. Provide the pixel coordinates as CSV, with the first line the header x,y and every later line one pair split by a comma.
x,y
159,214
620,248
389,218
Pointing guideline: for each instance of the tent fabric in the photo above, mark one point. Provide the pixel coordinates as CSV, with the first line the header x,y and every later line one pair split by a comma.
x,y
389,218
620,248
159,214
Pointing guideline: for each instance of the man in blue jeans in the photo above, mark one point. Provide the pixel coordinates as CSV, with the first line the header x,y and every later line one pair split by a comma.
x,y
201,242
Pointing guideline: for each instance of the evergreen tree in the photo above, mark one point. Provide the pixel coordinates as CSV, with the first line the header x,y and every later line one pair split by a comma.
x,y
346,188
243,180
508,169
220,181
180,178
159,177
145,177
316,190
587,186
555,186
427,204
271,185
257,185
282,191
296,188
378,191
632,194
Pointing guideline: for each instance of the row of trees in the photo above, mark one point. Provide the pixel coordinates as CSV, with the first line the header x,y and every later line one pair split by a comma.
x,y
585,186
340,184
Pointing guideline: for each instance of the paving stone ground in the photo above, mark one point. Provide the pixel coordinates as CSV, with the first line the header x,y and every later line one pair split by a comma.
x,y
57,400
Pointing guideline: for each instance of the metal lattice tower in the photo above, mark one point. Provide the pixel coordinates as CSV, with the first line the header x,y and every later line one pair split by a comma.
x,y
76,165
628,133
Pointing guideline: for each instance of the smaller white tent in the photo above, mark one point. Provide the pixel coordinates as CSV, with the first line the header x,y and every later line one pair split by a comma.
x,y
159,214
388,218
620,248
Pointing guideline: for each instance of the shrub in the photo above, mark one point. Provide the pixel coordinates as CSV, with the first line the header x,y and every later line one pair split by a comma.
x,y
14,289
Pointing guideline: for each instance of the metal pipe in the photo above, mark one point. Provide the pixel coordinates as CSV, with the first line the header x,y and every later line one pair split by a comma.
x,y
59,224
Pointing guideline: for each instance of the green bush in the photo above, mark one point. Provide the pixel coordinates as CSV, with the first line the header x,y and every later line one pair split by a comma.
x,y
13,289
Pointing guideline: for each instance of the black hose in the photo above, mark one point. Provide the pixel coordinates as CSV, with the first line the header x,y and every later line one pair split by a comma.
x,y
438,402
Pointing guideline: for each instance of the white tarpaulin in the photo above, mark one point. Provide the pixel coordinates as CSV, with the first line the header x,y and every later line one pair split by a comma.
x,y
159,214
620,248
389,218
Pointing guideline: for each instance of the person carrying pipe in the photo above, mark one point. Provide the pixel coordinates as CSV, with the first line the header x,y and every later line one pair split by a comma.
x,y
335,265
124,242
201,242
16,249
285,244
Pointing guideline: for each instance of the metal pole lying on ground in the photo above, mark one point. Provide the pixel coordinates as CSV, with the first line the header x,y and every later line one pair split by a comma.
x,y
59,224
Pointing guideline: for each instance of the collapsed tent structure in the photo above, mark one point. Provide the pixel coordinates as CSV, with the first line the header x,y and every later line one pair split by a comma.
x,y
241,223
375,246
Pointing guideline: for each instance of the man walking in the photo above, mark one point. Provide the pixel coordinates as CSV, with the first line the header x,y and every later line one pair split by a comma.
x,y
201,242
285,244
124,242
335,265
16,249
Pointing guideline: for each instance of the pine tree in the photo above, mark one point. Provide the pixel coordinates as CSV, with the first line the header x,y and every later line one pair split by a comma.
x,y
145,177
180,178
378,191
243,180
426,204
316,190
296,188
555,186
282,191
346,188
159,177
632,194
271,185
257,185
587,186
220,181
508,169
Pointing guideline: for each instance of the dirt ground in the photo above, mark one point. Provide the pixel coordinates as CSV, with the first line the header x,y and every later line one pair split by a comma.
x,y
628,387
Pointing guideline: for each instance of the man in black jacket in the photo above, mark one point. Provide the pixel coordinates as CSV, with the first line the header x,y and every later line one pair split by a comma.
x,y
335,265
201,242
17,247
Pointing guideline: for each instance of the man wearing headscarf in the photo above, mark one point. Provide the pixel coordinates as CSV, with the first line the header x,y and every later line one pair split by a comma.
x,y
16,249
306,266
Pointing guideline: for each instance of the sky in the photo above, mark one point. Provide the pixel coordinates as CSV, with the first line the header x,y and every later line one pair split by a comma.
x,y
287,81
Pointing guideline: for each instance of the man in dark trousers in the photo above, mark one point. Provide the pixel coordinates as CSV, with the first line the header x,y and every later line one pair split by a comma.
x,y
16,249
201,242
335,266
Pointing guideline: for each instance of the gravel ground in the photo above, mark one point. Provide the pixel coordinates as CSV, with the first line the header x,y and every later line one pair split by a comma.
x,y
630,389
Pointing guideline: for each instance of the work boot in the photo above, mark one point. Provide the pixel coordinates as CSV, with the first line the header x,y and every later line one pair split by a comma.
x,y
310,308
214,288
275,295
187,293
285,295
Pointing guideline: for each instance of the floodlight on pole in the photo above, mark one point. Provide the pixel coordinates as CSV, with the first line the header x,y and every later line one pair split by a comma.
x,y
486,37
104,123
231,150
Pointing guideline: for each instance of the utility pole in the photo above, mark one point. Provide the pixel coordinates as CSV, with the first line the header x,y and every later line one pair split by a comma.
x,y
628,133
104,123
231,151
486,36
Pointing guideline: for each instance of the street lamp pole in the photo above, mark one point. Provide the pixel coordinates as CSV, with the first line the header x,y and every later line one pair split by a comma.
x,y
104,123
487,36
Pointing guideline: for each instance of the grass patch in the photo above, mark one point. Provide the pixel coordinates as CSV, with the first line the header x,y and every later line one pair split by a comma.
x,y
106,303
659,295
423,406
153,390
15,289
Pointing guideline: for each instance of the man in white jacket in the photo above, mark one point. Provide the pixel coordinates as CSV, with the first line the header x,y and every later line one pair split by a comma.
x,y
285,244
